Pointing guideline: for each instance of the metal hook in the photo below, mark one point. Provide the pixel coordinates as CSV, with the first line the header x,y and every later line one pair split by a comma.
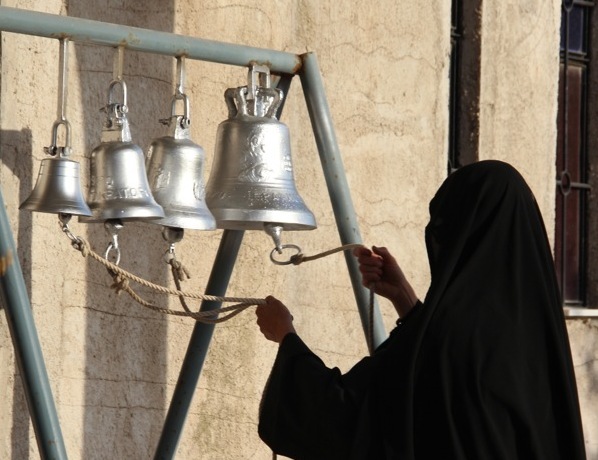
x,y
291,259
113,227
62,79
258,75
122,108
119,59
53,149
181,97
180,72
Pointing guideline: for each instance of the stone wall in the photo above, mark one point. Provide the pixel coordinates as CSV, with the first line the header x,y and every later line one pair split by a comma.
x,y
112,364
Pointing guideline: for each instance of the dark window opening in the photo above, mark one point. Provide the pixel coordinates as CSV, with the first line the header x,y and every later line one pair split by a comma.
x,y
571,226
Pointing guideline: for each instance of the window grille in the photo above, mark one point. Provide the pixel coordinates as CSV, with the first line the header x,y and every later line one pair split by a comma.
x,y
571,229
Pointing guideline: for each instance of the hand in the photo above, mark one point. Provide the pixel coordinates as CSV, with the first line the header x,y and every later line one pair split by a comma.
x,y
274,319
381,272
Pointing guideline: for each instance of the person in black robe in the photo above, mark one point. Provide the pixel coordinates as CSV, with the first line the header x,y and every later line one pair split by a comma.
x,y
481,369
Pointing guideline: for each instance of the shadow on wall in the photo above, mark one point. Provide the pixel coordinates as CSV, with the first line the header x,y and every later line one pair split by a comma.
x,y
16,153
125,344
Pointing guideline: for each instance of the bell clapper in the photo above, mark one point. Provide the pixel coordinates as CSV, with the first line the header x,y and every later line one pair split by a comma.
x,y
171,235
275,231
113,227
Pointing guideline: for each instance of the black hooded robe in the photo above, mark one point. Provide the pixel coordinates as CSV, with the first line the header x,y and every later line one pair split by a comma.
x,y
481,370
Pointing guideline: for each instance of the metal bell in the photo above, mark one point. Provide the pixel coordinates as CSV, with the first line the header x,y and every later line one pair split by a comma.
x,y
175,172
119,188
58,187
251,185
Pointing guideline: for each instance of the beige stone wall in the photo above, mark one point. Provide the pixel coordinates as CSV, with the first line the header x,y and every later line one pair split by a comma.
x,y
518,106
518,99
112,364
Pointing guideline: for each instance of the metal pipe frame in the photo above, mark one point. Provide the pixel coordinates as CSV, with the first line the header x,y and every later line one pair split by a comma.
x,y
198,347
17,306
28,351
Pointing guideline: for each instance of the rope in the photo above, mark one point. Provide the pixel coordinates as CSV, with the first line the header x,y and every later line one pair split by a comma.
x,y
122,277
179,272
300,258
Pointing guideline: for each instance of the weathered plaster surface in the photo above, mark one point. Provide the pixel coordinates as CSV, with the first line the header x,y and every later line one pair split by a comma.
x,y
113,365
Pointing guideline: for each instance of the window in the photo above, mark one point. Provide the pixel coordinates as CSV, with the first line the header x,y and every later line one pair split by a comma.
x,y
572,160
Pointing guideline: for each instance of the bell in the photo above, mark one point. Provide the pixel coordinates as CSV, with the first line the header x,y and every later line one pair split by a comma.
x,y
119,188
175,172
58,188
251,185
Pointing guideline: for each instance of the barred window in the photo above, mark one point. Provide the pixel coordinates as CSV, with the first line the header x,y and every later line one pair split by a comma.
x,y
571,229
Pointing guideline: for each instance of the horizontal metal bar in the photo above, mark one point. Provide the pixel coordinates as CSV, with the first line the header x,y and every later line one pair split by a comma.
x,y
151,41
576,185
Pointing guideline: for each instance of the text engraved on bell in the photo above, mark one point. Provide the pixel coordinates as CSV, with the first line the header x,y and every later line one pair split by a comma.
x,y
122,193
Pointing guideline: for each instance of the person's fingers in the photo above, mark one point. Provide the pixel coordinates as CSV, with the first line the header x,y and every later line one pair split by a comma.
x,y
361,251
384,253
374,261
374,268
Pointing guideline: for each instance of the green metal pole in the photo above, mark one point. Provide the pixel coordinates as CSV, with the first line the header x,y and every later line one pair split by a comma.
x,y
338,188
198,347
27,347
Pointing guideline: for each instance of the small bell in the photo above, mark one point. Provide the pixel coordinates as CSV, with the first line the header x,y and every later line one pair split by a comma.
x,y
119,189
251,185
175,173
58,186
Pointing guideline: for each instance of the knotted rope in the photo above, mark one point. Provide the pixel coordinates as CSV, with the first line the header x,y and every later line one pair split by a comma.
x,y
122,277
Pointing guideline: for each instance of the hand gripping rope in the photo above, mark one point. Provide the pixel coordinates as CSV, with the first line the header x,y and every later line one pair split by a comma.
x,y
122,277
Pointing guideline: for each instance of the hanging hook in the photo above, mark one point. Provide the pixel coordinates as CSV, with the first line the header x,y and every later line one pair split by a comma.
x,y
117,79
182,121
62,79
258,75
119,59
54,149
180,72
113,227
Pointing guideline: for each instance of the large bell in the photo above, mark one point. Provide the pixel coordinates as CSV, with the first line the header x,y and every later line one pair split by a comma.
x,y
175,172
251,185
58,186
119,188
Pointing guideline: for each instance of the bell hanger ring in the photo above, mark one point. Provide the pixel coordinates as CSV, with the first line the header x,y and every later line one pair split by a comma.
x,y
122,108
54,149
